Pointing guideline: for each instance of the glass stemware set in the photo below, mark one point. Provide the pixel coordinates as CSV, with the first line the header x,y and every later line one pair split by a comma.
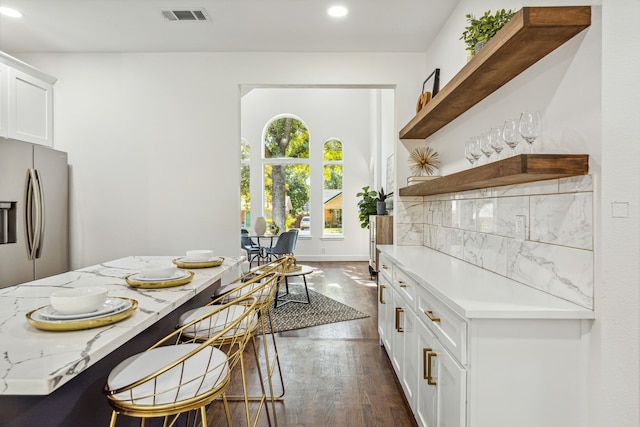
x,y
528,127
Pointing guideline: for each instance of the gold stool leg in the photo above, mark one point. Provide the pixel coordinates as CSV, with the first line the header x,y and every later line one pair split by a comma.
x,y
203,415
276,355
246,397
270,365
226,409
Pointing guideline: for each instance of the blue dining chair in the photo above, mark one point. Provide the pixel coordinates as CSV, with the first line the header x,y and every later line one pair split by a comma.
x,y
253,249
285,245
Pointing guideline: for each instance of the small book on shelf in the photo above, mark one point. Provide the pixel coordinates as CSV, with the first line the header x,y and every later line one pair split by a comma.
x,y
417,179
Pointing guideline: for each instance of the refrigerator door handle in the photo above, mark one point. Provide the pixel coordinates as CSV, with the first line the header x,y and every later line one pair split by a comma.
x,y
33,213
40,214
28,214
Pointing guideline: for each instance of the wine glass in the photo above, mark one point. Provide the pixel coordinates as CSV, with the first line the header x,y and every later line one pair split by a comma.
x,y
496,140
468,153
474,143
485,145
529,127
511,135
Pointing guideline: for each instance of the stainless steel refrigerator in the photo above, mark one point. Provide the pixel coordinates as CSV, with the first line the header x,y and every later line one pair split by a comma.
x,y
34,212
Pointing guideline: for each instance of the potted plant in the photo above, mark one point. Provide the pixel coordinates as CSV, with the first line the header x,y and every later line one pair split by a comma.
x,y
381,202
480,30
366,205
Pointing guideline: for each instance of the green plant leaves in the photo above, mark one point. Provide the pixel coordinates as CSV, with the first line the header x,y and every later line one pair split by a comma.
x,y
485,27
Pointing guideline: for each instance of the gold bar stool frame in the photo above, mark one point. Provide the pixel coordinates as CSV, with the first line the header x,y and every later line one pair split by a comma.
x,y
179,375
262,283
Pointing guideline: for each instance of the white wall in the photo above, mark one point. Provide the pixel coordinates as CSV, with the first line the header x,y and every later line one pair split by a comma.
x,y
590,99
329,113
616,332
153,139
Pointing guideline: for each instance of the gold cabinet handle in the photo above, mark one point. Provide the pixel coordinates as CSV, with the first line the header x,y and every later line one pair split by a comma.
x,y
398,311
426,372
429,314
380,297
430,380
402,283
384,266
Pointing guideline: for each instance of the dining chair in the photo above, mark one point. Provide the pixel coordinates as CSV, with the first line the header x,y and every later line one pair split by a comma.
x,y
261,283
183,375
252,248
285,245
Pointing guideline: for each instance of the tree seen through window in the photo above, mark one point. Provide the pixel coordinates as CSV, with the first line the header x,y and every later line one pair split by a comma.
x,y
286,173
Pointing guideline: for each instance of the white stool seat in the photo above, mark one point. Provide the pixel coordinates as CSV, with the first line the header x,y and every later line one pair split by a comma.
x,y
190,379
232,294
215,323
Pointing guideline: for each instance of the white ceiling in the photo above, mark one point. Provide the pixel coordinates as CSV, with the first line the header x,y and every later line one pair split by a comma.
x,y
235,26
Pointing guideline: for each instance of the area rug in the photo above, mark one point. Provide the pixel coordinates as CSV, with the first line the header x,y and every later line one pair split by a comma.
x,y
322,310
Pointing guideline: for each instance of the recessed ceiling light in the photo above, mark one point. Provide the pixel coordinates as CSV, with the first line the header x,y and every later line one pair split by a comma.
x,y
337,11
7,11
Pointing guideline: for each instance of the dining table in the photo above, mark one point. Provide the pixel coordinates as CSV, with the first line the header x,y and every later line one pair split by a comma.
x,y
264,242
56,377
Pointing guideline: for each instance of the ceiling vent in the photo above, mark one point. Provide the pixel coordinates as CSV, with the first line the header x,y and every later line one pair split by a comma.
x,y
185,15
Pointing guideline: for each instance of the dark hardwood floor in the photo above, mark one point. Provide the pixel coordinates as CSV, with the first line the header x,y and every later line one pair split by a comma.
x,y
335,374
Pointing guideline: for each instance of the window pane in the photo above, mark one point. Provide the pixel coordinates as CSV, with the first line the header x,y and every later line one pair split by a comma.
x,y
286,138
245,181
286,195
245,151
332,202
332,150
333,177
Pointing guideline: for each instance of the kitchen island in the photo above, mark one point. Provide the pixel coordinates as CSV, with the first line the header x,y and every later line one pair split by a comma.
x,y
56,378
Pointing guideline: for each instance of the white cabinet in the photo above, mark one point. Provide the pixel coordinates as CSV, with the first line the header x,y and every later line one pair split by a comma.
x,y
26,102
30,108
397,326
441,389
491,359
4,101
385,310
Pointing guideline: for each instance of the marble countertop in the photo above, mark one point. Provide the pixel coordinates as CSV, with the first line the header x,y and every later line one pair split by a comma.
x,y
473,292
36,362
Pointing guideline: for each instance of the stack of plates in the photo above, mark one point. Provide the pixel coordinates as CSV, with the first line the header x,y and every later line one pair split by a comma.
x,y
179,277
184,262
112,311
110,306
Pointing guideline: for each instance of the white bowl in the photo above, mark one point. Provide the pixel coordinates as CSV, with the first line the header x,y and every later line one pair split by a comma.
x,y
199,255
78,300
158,271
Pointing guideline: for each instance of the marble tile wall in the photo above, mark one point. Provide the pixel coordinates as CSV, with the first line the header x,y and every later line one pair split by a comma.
x,y
539,234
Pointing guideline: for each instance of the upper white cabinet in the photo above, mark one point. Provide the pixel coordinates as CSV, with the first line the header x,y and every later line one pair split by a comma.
x,y
26,102
4,101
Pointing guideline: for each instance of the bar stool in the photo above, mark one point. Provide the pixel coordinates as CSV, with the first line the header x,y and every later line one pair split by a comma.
x,y
179,374
261,283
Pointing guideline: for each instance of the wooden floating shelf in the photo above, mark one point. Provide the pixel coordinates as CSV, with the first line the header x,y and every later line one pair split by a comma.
x,y
530,35
513,170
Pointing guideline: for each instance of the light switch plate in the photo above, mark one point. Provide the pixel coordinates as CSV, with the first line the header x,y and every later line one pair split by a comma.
x,y
521,227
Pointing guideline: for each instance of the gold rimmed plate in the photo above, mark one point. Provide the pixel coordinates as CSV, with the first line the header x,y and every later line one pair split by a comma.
x,y
149,284
182,263
36,319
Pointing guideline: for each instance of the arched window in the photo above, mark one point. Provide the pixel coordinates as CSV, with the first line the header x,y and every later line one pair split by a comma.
x,y
286,173
245,184
332,188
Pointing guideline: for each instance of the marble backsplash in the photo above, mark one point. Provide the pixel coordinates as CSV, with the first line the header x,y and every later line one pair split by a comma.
x,y
539,234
